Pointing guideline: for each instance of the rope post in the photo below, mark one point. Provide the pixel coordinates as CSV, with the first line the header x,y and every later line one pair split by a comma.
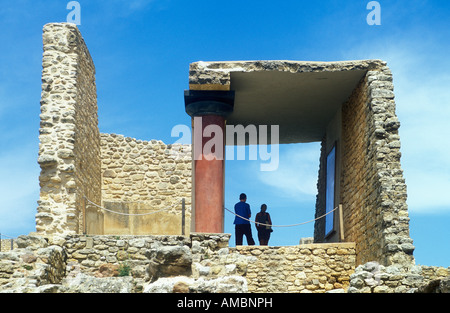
x,y
84,216
12,244
183,217
341,223
0,242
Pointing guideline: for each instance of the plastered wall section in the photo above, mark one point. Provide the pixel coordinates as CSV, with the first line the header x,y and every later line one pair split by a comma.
x,y
145,182
372,187
69,150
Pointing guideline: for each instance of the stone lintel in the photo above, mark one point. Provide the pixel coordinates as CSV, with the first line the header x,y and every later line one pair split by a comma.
x,y
217,75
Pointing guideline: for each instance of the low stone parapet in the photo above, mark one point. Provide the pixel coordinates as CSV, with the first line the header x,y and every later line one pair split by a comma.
x,y
199,263
372,277
302,268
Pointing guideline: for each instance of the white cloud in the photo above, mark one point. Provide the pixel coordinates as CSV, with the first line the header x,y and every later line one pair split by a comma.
x,y
425,143
296,176
428,191
422,91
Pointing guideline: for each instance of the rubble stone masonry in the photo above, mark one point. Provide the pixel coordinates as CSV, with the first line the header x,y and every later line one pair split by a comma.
x,y
83,171
140,177
373,190
200,263
303,268
69,150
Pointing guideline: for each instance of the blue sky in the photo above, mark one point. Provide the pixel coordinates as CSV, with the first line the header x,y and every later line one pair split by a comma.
x,y
142,50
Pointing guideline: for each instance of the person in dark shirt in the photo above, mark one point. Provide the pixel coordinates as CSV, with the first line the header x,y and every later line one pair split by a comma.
x,y
242,226
263,230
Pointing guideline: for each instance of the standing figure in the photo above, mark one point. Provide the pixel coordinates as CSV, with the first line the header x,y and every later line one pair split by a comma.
x,y
263,230
242,226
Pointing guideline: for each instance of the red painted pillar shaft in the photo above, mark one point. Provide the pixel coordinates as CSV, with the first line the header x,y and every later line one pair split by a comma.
x,y
209,173
209,109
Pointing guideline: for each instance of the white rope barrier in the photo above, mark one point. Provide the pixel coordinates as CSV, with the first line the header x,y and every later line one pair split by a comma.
x,y
128,214
299,224
177,203
3,235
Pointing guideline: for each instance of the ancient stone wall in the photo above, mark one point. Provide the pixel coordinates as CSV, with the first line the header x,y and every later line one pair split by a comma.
x,y
69,150
303,268
87,146
359,179
372,187
33,263
143,180
145,177
373,277
199,263
6,245
385,157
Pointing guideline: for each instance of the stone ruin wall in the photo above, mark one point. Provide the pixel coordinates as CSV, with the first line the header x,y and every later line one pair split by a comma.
x,y
83,170
77,161
6,245
87,144
377,214
140,177
372,187
363,215
69,150
303,268
200,263
195,263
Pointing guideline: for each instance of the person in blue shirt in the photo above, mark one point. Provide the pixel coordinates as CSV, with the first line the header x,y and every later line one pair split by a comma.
x,y
242,226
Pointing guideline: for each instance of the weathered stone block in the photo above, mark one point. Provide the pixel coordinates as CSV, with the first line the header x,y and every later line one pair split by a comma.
x,y
170,261
46,161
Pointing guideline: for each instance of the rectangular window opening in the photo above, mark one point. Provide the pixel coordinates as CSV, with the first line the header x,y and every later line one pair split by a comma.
x,y
330,192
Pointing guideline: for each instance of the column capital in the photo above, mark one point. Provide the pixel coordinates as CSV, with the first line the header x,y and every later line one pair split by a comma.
x,y
208,102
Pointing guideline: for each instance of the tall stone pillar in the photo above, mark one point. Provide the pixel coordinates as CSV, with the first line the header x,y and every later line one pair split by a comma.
x,y
208,110
69,149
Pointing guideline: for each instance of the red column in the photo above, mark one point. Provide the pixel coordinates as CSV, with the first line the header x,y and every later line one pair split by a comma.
x,y
209,173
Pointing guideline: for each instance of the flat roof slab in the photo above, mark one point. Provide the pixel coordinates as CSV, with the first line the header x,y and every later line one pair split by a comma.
x,y
300,97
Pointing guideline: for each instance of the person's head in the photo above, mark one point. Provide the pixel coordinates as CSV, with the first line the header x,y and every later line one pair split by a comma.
x,y
263,208
243,197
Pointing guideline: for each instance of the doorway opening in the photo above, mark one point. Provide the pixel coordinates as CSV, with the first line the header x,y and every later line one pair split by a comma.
x,y
289,191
